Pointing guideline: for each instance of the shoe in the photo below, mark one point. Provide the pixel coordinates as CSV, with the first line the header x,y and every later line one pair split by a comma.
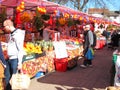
x,y
79,58
83,66
90,65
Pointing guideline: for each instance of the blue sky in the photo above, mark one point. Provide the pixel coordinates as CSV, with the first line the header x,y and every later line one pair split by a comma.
x,y
112,5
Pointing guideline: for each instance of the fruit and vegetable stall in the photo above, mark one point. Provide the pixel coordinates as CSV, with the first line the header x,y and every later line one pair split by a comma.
x,y
40,55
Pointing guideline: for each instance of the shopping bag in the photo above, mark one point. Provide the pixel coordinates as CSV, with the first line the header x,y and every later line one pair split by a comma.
x,y
89,54
20,81
93,53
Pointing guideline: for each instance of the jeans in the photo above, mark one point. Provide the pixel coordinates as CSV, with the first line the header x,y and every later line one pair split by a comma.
x,y
10,69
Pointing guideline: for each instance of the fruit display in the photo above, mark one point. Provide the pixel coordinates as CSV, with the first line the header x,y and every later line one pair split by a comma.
x,y
75,52
38,46
74,46
41,10
20,7
31,48
61,21
26,17
44,64
45,45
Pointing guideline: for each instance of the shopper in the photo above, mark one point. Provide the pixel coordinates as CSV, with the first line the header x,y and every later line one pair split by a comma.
x,y
14,49
88,43
115,39
46,33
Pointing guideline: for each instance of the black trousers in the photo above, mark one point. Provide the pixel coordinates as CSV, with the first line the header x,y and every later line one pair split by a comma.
x,y
112,75
87,62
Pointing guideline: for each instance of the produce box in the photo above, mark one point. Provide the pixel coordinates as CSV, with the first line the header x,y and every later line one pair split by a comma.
x,y
61,64
72,63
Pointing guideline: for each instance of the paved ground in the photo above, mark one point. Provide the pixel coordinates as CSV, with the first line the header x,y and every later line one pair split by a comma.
x,y
95,78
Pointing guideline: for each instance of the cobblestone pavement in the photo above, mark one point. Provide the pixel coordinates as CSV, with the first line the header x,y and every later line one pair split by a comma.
x,y
91,78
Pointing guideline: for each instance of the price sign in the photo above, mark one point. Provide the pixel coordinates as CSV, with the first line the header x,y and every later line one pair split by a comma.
x,y
60,49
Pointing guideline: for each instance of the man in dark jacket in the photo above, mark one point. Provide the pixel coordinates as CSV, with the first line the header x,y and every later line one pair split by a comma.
x,y
88,43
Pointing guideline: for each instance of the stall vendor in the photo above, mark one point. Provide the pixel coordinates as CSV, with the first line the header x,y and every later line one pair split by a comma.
x,y
47,31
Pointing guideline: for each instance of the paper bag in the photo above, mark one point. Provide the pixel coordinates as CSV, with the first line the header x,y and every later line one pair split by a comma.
x,y
20,81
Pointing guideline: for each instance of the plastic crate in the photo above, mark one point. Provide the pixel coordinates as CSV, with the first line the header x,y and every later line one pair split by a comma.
x,y
61,64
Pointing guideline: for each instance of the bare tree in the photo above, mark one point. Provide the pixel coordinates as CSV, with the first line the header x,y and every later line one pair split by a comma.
x,y
83,5
62,2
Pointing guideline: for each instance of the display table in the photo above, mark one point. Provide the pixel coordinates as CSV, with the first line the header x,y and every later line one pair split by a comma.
x,y
47,64
43,64
73,56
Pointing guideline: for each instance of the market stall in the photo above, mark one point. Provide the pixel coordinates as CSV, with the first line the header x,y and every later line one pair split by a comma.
x,y
40,55
31,15
100,43
46,63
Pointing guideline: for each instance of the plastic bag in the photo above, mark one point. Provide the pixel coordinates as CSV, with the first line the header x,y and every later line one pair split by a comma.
x,y
93,53
20,81
89,54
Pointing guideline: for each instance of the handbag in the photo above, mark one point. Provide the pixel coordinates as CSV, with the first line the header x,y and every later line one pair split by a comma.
x,y
20,81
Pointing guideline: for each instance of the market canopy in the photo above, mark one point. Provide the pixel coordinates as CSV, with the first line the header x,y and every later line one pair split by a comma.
x,y
50,7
